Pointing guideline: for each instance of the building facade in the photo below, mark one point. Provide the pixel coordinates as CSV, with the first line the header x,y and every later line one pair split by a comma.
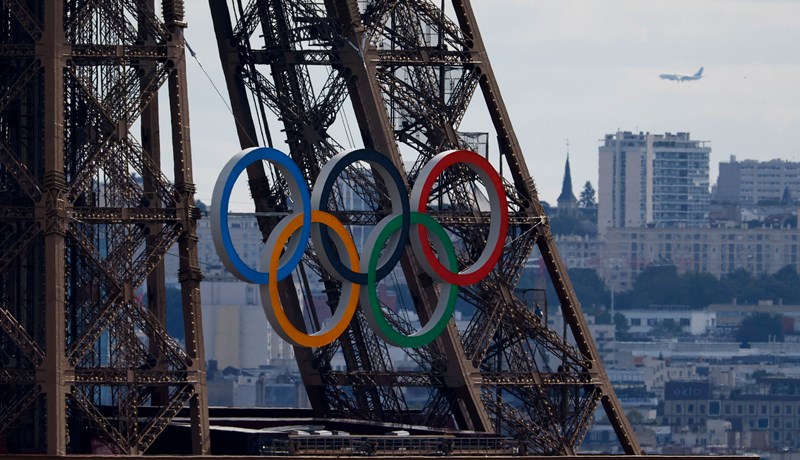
x,y
235,330
730,316
694,322
719,251
751,182
762,416
580,251
652,180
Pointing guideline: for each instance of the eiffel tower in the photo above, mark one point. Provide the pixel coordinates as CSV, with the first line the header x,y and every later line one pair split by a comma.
x,y
407,71
86,216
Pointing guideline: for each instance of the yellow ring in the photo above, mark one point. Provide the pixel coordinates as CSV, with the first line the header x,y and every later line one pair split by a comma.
x,y
326,335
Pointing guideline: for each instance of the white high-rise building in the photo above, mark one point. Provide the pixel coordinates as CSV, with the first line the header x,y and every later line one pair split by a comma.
x,y
652,180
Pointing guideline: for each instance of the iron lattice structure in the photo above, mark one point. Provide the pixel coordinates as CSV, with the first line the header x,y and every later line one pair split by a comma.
x,y
86,217
410,69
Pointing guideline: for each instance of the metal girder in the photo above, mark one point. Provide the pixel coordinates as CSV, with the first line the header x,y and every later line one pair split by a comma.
x,y
17,376
15,247
17,333
113,55
15,51
85,214
29,23
19,172
13,409
15,88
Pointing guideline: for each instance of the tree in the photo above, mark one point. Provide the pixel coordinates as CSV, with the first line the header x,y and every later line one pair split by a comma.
x,y
761,327
703,289
565,224
588,198
745,289
658,285
784,285
622,327
667,328
589,287
635,417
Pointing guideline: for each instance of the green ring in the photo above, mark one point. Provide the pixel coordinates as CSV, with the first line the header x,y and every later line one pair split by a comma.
x,y
429,332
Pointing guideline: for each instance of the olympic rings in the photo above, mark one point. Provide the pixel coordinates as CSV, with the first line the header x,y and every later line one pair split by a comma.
x,y
311,218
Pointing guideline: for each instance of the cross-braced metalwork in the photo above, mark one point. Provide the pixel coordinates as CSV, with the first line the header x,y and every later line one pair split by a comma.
x,y
410,69
86,218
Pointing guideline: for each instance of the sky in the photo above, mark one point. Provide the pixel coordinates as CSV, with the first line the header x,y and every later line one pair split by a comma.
x,y
571,71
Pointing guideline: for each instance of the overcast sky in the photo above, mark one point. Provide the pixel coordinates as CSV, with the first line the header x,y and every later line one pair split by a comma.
x,y
577,70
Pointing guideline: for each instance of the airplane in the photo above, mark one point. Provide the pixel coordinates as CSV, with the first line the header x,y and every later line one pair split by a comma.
x,y
682,78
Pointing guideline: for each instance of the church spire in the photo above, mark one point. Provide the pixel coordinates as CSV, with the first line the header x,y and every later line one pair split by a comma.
x,y
567,199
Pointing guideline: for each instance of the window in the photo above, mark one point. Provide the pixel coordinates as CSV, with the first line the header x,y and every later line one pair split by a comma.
x,y
690,408
678,409
652,322
636,321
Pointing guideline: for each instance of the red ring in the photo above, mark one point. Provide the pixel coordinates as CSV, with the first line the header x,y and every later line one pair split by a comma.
x,y
471,275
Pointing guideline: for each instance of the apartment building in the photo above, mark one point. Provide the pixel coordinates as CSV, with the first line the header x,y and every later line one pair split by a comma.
x,y
650,179
719,251
751,182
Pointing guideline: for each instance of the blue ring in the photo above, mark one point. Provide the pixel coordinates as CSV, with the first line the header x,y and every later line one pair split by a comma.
x,y
369,156
279,158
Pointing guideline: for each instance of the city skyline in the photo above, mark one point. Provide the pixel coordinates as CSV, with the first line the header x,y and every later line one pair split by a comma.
x,y
578,70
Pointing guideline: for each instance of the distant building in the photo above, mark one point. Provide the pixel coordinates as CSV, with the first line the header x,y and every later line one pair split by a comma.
x,y
265,386
687,404
580,251
694,322
730,316
652,180
752,182
235,330
762,416
719,251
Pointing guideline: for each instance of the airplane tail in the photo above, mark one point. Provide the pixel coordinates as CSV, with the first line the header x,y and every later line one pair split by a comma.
x,y
699,73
